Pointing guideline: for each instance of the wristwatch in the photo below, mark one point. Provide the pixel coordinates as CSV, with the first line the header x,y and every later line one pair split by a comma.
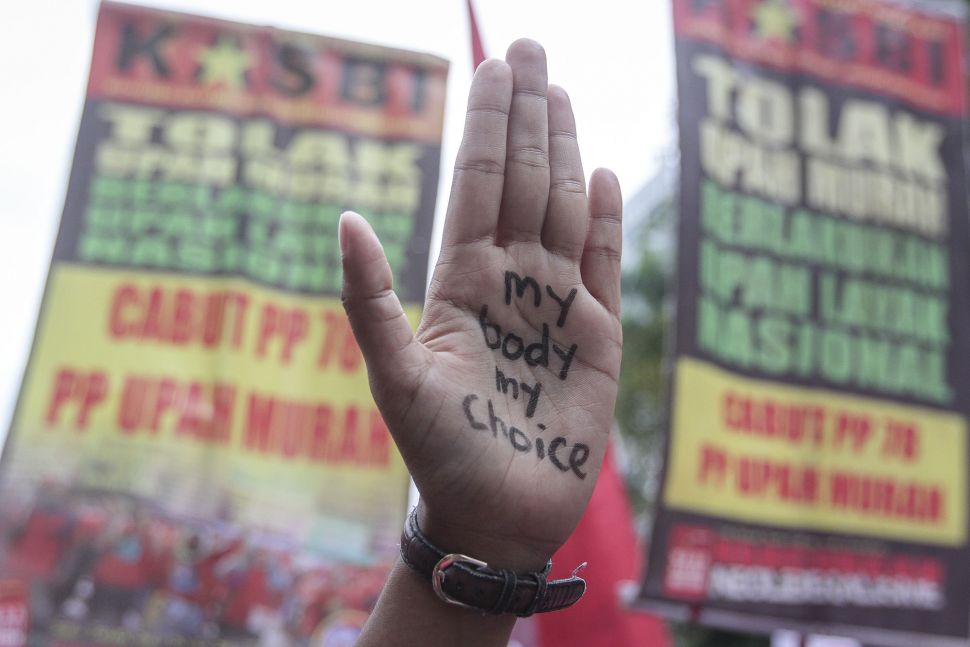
x,y
471,583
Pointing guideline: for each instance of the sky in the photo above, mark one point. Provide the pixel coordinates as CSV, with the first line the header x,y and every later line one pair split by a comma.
x,y
614,57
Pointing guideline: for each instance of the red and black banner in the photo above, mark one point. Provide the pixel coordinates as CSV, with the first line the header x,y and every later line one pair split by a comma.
x,y
195,457
816,468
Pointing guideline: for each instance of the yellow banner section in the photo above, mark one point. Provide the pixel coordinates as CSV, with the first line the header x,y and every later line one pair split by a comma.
x,y
815,459
210,396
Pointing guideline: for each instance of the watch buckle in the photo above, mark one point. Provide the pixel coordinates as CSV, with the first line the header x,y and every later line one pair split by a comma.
x,y
438,576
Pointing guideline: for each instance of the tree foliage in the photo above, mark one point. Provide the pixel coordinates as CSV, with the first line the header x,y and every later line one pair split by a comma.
x,y
640,406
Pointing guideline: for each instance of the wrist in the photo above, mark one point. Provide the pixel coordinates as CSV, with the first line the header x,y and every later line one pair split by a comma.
x,y
493,546
465,581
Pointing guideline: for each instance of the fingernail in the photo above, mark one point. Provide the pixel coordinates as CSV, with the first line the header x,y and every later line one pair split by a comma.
x,y
341,236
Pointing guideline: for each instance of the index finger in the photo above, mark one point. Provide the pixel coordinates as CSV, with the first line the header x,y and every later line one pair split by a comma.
x,y
476,190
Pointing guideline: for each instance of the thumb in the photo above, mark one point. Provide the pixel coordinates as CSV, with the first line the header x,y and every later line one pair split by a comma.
x,y
395,360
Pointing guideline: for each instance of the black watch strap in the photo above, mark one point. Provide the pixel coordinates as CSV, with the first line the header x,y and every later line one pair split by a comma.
x,y
468,582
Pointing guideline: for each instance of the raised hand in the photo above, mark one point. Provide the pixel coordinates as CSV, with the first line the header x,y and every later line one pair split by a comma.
x,y
502,402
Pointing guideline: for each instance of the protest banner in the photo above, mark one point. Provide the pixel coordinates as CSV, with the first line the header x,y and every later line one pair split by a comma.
x,y
195,457
816,468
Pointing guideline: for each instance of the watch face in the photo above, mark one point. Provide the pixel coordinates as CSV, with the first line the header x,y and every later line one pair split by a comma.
x,y
340,629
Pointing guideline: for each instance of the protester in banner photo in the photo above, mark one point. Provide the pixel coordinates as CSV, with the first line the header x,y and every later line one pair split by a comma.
x,y
126,570
36,544
502,402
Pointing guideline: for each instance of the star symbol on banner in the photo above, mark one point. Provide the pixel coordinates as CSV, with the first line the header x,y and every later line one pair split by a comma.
x,y
224,62
774,19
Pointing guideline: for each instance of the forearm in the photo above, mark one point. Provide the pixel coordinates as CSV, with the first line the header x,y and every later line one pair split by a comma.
x,y
409,613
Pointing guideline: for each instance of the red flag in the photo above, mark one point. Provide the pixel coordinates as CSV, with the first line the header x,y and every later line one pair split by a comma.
x,y
605,538
478,50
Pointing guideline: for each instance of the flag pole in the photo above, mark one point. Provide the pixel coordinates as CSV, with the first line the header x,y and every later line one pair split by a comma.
x,y
478,49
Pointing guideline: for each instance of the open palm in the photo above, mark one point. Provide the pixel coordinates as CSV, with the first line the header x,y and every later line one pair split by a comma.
x,y
501,403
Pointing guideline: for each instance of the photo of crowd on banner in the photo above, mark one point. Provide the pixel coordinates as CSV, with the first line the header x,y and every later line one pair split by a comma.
x,y
95,558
